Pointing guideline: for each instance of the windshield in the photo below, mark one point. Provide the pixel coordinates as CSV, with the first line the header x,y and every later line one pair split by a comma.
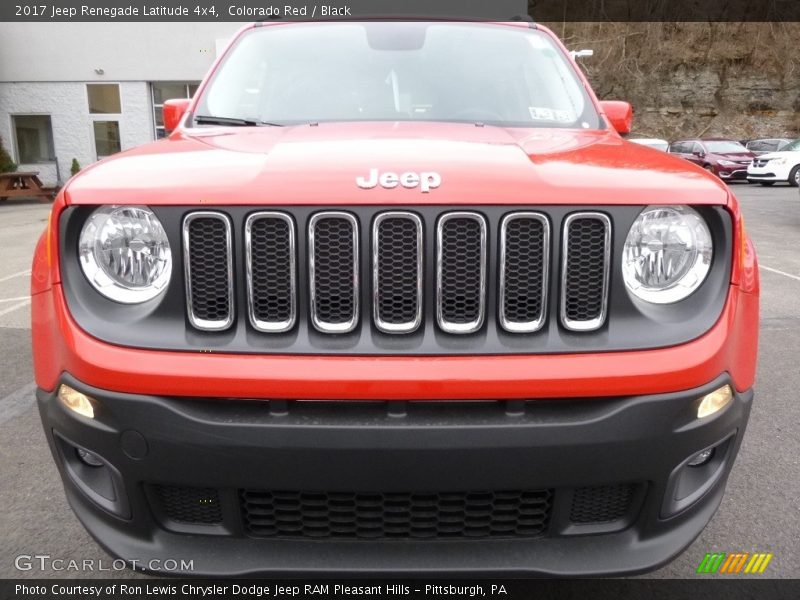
x,y
791,147
301,73
723,147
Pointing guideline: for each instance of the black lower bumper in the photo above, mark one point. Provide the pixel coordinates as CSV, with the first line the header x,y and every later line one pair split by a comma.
x,y
562,487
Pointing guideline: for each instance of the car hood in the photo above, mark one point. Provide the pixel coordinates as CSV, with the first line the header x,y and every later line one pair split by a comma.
x,y
320,164
734,156
772,155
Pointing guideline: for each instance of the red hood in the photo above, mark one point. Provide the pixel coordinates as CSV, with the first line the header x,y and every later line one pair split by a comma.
x,y
320,164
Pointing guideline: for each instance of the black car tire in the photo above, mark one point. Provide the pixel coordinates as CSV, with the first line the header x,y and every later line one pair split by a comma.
x,y
794,177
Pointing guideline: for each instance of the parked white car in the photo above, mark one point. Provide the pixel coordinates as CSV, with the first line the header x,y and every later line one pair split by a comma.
x,y
656,143
772,167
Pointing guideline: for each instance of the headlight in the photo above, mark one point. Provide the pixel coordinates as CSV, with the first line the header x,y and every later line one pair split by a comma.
x,y
667,254
778,161
125,254
728,163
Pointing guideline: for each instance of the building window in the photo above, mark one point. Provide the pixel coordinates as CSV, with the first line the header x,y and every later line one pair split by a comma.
x,y
33,135
106,138
168,91
104,98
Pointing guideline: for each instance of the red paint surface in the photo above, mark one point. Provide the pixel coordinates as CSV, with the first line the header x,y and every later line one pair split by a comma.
x,y
318,166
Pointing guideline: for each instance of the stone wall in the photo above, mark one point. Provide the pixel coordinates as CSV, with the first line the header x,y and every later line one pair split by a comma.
x,y
737,80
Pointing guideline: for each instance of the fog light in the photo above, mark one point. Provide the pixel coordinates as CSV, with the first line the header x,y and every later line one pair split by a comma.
x,y
715,401
89,458
701,458
75,401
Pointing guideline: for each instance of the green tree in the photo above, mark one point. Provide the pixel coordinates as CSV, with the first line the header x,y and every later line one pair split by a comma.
x,y
75,167
6,164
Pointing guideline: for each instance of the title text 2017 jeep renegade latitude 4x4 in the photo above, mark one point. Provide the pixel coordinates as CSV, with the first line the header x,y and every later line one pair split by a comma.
x,y
395,297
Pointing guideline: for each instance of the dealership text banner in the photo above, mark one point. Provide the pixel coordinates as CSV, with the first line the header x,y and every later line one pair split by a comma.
x,y
495,10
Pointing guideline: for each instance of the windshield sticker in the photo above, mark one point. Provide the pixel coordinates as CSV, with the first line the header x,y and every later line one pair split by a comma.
x,y
539,113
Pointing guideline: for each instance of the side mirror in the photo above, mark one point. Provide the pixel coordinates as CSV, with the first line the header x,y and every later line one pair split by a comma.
x,y
173,111
620,115
698,153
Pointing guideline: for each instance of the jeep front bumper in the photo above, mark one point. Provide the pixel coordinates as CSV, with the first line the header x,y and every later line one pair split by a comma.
x,y
562,487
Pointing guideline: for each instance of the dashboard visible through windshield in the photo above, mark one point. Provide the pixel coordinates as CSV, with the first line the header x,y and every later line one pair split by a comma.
x,y
396,71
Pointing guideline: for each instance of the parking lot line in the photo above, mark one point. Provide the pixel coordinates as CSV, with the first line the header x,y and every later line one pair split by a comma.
x,y
14,307
784,273
13,275
17,299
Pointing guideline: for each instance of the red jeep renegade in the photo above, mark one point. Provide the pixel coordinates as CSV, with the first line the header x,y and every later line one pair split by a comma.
x,y
395,297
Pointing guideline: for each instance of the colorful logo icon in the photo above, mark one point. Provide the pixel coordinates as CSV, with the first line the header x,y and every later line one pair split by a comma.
x,y
734,563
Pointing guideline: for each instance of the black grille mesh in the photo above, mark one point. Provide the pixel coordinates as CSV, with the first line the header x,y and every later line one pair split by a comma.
x,y
602,503
271,267
396,515
461,293
398,270
208,264
584,292
333,283
189,504
524,270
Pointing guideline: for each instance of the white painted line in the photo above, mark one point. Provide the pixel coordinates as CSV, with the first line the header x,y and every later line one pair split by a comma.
x,y
789,275
14,307
17,299
12,276
17,402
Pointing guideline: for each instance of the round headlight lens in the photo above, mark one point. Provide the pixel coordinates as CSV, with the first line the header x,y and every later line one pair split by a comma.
x,y
125,254
667,254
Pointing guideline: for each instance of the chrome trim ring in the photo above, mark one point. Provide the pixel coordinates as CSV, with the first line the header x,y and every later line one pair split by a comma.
x,y
198,323
319,324
258,324
475,325
382,325
536,324
597,322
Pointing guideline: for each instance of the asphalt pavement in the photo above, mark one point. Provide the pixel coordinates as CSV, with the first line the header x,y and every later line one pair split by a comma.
x,y
760,512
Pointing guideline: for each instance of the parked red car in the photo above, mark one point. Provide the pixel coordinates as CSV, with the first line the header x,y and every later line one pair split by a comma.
x,y
727,159
395,297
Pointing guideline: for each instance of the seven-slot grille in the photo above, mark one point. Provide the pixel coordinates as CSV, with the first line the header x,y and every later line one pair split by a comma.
x,y
461,271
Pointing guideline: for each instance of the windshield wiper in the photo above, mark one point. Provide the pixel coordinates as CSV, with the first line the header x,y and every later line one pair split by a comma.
x,y
212,120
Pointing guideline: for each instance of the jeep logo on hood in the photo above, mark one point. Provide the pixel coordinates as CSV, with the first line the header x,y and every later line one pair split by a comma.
x,y
426,181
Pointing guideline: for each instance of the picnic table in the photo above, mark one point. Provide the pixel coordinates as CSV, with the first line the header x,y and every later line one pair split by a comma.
x,y
23,185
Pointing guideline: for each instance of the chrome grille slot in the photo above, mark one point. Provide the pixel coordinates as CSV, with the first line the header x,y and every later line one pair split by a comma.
x,y
333,271
271,271
208,264
586,256
397,272
461,272
524,264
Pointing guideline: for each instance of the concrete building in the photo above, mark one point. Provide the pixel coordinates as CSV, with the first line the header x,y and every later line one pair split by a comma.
x,y
86,90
